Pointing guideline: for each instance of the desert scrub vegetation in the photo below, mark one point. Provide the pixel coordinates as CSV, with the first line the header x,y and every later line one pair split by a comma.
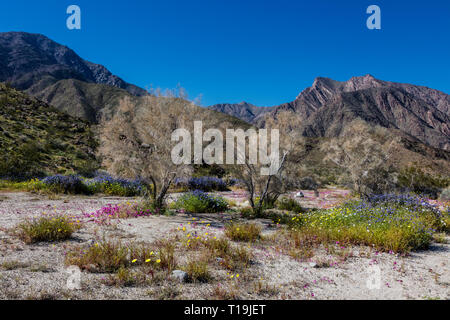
x,y
46,229
109,256
398,223
200,202
248,232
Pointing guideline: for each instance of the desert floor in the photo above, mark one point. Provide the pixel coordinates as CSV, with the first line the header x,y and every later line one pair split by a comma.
x,y
38,271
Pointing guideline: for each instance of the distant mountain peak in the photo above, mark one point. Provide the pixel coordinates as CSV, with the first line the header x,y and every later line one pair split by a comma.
x,y
328,106
29,58
55,74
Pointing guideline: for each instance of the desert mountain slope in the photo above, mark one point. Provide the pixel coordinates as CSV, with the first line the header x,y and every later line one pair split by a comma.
x,y
88,101
37,139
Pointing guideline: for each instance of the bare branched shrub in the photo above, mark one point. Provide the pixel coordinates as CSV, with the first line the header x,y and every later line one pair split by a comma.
x,y
264,190
136,141
365,158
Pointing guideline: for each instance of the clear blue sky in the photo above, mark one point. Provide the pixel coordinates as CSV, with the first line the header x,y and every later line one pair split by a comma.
x,y
263,52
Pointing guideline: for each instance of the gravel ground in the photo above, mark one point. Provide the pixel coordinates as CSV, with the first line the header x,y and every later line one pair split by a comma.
x,y
38,271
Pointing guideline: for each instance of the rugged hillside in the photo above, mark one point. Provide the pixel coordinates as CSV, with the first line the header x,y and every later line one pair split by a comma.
x,y
384,106
37,139
81,99
37,65
328,106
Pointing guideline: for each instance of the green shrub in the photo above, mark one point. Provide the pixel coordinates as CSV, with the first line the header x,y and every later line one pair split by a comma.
x,y
200,202
47,228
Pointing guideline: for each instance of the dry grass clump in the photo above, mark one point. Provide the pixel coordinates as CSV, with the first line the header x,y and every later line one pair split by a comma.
x,y
198,270
13,265
225,292
104,256
110,256
265,289
247,232
299,246
126,278
221,251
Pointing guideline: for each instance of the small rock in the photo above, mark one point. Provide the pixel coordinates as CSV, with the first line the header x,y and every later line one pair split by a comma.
x,y
92,268
299,194
312,264
180,275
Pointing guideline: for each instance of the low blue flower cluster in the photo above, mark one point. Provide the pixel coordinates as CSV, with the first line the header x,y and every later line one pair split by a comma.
x,y
207,184
414,203
66,184
117,186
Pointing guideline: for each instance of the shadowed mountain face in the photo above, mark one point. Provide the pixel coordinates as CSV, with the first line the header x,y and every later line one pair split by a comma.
x,y
42,67
328,106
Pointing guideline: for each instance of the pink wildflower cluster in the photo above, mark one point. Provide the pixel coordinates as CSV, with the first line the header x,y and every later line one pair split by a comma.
x,y
124,211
